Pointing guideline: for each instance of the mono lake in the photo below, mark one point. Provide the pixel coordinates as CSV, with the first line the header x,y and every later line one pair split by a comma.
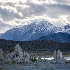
x,y
35,67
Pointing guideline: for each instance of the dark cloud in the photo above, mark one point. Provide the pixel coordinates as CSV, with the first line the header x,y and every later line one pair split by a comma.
x,y
51,10
8,15
9,4
38,9
33,9
55,10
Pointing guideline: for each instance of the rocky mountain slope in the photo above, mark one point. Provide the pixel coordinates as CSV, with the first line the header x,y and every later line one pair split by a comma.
x,y
33,31
60,37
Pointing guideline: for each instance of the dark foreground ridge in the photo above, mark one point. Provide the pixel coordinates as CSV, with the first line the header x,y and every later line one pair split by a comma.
x,y
36,45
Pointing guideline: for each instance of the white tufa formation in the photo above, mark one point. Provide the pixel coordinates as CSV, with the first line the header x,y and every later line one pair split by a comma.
x,y
58,56
17,55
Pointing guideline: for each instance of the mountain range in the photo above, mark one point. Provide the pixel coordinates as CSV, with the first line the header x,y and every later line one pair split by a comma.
x,y
60,37
38,30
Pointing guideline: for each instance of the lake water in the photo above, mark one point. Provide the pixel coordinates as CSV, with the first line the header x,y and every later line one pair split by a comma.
x,y
34,67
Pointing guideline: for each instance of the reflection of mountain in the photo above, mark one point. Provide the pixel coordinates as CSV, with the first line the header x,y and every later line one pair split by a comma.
x,y
61,37
33,31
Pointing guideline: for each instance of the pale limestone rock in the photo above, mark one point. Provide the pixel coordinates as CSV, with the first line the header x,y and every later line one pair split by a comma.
x,y
58,57
17,55
27,57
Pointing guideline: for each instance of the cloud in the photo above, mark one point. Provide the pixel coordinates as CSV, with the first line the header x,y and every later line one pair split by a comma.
x,y
55,11
8,15
66,2
4,27
34,9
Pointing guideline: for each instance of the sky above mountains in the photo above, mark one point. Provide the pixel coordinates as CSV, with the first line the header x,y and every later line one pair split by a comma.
x,y
20,12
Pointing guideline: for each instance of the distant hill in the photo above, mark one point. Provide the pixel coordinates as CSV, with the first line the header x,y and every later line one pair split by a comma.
x,y
60,37
37,45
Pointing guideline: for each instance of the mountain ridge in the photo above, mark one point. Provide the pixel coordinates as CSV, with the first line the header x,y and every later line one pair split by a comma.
x,y
33,31
60,37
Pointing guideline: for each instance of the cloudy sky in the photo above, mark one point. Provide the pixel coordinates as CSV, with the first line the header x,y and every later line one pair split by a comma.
x,y
20,12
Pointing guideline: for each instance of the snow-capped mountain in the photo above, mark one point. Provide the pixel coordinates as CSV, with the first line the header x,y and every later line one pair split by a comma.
x,y
67,28
31,31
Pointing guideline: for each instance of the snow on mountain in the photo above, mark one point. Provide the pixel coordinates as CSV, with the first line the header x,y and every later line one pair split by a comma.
x,y
31,31
67,28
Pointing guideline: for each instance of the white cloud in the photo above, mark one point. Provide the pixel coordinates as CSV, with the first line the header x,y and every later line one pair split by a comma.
x,y
13,1
64,2
25,11
43,1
